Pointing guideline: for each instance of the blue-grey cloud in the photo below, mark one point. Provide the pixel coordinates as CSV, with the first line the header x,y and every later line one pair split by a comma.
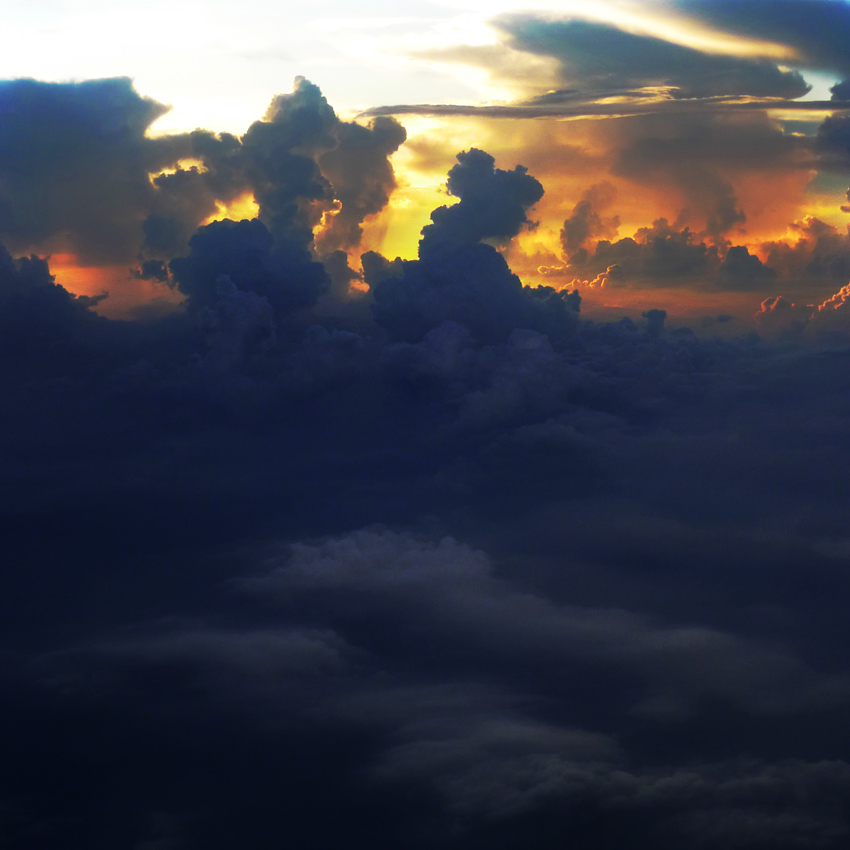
x,y
600,56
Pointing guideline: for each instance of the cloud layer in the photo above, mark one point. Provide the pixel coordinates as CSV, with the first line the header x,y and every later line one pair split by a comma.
x,y
433,560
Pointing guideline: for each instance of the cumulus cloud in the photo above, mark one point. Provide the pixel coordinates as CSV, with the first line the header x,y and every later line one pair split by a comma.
x,y
493,204
74,163
360,172
283,272
586,223
109,193
39,319
460,278
819,257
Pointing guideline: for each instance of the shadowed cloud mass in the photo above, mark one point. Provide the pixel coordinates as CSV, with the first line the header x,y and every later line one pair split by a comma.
x,y
424,555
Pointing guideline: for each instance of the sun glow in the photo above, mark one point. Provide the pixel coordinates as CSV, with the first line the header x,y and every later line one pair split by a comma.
x,y
241,208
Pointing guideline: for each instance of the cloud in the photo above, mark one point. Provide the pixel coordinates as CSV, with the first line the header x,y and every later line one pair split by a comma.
x,y
283,273
74,163
493,204
460,279
360,172
817,30
820,256
40,321
448,590
185,197
585,222
604,603
744,270
600,56
105,191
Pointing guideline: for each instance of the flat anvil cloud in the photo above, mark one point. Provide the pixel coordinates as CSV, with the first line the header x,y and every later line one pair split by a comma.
x,y
603,58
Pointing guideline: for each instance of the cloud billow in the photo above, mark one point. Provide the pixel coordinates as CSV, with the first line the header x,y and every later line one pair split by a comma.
x,y
246,252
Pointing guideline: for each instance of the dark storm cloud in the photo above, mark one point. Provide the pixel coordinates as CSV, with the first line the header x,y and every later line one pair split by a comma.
x,y
834,140
703,156
601,56
817,29
495,749
820,255
671,254
186,196
301,161
279,159
841,91
744,270
443,565
74,161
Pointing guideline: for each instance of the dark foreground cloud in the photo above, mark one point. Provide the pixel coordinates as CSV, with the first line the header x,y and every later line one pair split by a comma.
x,y
442,565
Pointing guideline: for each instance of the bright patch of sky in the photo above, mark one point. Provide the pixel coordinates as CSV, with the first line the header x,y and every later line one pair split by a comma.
x,y
219,64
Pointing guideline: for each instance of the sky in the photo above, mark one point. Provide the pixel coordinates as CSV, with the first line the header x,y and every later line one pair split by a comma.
x,y
425,429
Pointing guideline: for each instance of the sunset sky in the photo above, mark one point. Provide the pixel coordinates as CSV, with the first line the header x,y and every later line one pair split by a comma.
x,y
425,425
707,115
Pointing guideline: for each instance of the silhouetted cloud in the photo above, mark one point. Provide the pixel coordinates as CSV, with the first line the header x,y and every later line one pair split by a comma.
x,y
586,223
459,278
74,163
493,204
244,251
360,172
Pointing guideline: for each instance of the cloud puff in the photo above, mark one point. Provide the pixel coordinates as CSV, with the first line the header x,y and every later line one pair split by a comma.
x,y
245,251
108,193
820,256
586,223
493,204
359,170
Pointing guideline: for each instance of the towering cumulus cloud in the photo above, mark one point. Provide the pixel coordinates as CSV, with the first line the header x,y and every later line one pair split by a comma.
x,y
459,276
79,172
